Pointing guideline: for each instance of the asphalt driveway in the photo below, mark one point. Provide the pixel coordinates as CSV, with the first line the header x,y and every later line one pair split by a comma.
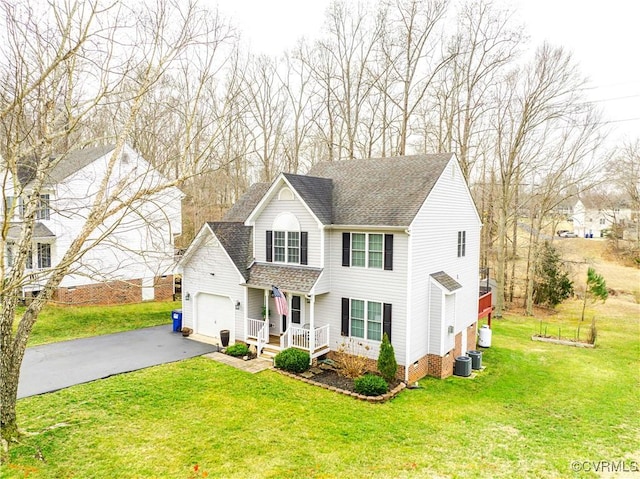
x,y
55,366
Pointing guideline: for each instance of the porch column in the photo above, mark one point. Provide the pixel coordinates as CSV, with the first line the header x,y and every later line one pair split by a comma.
x,y
312,328
266,306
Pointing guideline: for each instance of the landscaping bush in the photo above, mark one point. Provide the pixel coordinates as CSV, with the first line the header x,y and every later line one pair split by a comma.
x,y
370,385
387,365
238,350
292,360
352,358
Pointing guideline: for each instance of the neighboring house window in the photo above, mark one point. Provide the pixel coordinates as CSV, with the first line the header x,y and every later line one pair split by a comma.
x,y
44,255
9,201
462,243
287,247
9,253
367,250
365,319
29,259
43,212
602,221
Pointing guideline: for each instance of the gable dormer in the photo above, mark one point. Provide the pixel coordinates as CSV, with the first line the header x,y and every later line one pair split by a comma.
x,y
288,222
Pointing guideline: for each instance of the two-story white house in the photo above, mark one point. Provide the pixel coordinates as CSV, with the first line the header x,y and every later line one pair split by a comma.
x,y
359,248
131,257
593,219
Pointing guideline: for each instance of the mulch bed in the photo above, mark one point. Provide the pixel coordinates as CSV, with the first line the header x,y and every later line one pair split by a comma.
x,y
331,379
335,379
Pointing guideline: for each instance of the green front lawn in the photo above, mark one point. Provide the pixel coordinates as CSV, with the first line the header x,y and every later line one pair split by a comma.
x,y
534,409
59,323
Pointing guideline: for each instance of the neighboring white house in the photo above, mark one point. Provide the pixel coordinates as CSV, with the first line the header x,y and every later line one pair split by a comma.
x,y
133,261
359,248
592,219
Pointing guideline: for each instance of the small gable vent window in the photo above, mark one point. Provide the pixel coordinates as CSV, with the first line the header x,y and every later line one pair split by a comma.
x,y
285,194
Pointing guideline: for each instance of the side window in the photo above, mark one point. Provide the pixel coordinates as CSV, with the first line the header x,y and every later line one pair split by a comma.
x,y
462,243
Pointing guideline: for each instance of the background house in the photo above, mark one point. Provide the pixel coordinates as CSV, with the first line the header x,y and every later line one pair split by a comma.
x,y
595,218
359,247
133,257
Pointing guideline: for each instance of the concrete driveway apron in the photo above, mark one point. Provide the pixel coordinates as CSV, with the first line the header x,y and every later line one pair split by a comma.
x,y
55,366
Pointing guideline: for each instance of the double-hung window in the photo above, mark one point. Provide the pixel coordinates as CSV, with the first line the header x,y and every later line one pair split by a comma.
x,y
43,212
293,247
287,247
364,319
44,255
367,250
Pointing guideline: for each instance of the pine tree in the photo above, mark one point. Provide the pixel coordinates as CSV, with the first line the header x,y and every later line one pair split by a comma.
x,y
552,284
387,364
595,290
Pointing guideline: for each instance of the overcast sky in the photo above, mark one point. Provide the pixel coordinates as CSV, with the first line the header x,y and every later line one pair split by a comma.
x,y
604,37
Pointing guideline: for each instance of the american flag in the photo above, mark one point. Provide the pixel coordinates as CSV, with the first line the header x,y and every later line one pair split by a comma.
x,y
281,301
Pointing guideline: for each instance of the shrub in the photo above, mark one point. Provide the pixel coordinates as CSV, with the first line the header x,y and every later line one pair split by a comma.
x,y
292,360
370,385
551,283
387,364
351,358
238,350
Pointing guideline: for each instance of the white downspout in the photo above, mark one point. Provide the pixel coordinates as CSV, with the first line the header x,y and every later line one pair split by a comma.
x,y
408,303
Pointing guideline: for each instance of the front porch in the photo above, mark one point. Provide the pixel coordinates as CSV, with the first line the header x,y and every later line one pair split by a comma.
x,y
294,336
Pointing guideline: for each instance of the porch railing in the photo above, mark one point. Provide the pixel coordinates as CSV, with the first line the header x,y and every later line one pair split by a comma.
x,y
299,337
322,336
259,330
484,304
254,326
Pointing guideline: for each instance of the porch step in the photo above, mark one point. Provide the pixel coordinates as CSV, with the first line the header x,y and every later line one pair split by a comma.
x,y
269,352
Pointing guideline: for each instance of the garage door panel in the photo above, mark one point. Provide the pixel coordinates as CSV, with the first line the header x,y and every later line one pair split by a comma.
x,y
213,314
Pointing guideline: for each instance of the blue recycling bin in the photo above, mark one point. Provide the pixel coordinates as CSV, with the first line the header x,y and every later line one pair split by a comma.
x,y
176,315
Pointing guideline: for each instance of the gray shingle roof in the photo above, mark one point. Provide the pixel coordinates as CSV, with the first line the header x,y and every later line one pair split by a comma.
x,y
246,203
316,193
236,240
287,278
67,165
40,231
381,191
446,281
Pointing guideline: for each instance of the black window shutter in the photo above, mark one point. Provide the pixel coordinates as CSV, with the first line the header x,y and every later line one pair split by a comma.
x,y
464,243
346,249
304,238
345,317
269,246
388,252
386,320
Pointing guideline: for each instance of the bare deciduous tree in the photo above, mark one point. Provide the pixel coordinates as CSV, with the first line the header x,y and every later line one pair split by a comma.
x,y
77,60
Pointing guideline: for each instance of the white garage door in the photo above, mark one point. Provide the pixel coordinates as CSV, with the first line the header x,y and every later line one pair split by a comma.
x,y
214,313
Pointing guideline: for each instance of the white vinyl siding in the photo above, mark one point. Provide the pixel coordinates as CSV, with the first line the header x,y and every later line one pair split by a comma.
x,y
265,220
448,210
379,285
197,280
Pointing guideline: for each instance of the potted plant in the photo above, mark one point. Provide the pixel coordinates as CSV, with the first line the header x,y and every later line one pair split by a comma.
x,y
186,331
